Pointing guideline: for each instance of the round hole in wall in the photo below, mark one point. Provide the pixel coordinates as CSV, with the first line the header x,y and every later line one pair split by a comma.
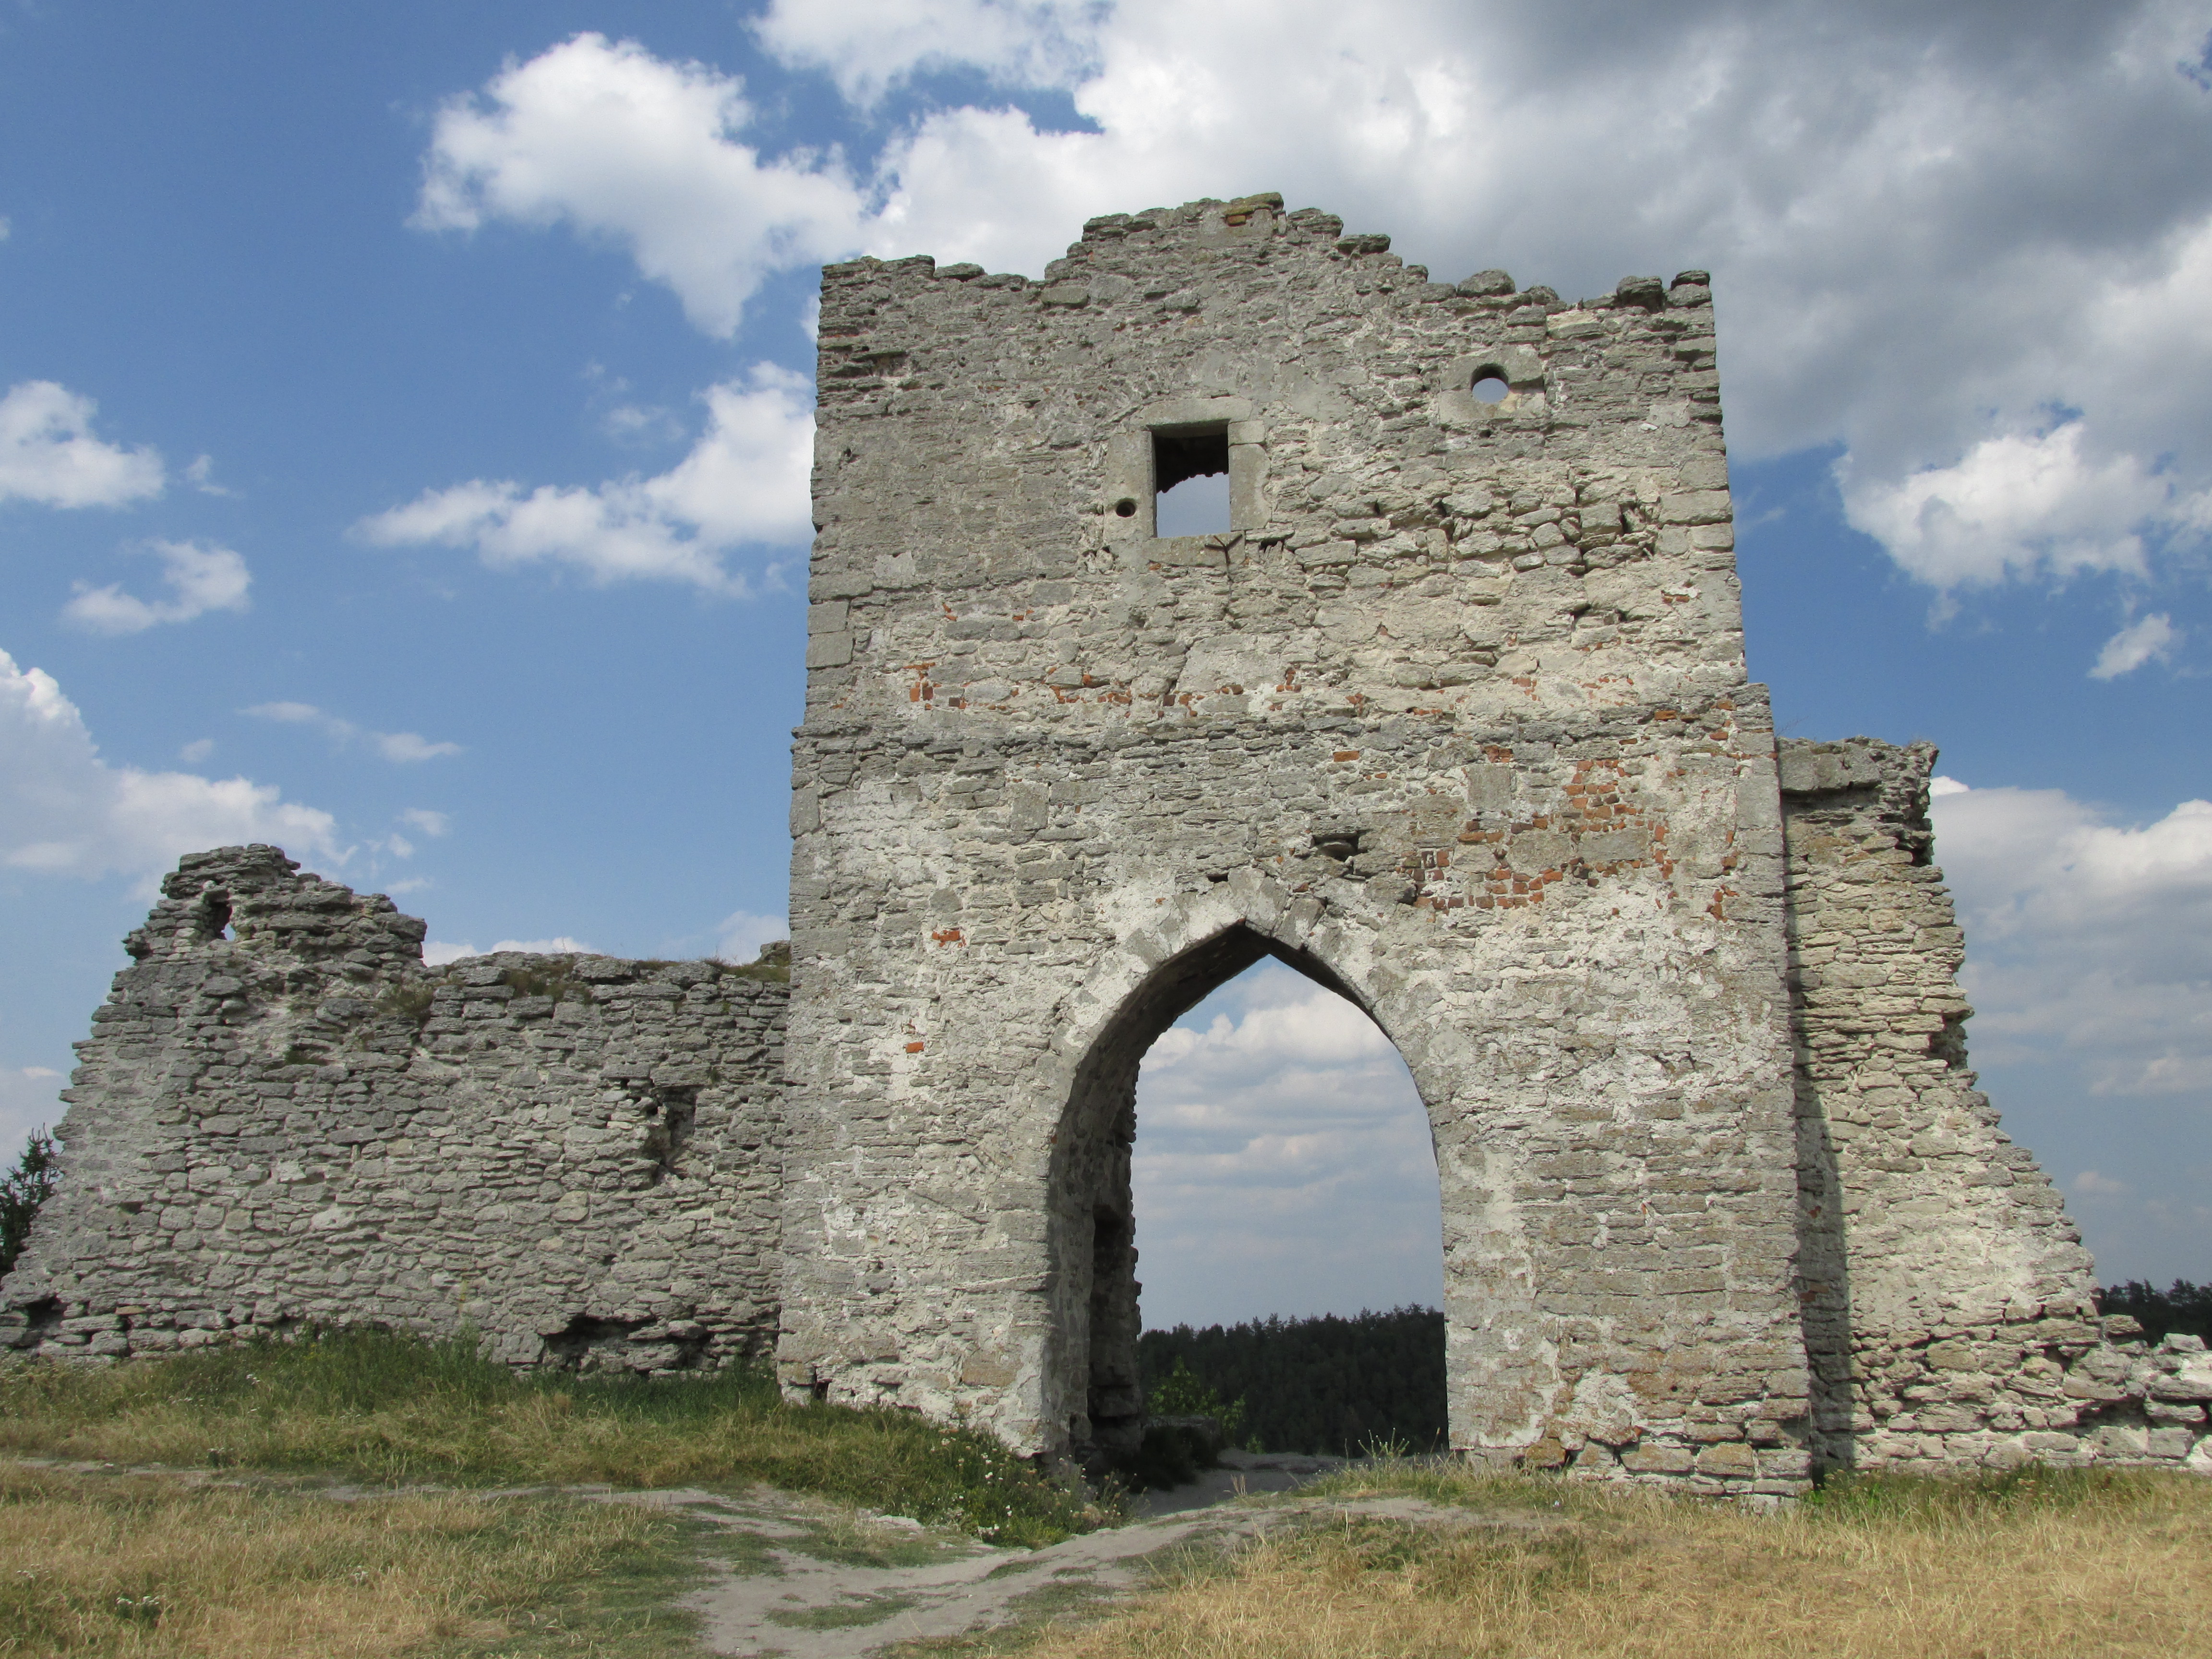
x,y
1125,509
1490,385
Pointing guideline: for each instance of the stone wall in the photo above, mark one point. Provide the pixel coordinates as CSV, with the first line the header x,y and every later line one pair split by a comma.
x,y
1452,717
282,1117
1949,1317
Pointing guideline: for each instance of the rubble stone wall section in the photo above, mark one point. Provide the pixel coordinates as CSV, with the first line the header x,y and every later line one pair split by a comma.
x,y
1948,1314
1453,716
282,1117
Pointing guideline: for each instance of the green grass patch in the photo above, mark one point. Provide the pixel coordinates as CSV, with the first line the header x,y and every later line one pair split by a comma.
x,y
393,1409
843,1615
1943,1499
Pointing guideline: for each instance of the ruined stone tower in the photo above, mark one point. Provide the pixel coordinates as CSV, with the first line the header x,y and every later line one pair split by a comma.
x,y
1451,715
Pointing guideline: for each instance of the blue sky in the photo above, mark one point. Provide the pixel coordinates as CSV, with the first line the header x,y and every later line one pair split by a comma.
x,y
402,423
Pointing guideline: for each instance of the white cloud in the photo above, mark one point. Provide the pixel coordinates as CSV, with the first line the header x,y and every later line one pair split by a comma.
x,y
64,811
745,481
201,476
618,145
197,750
1282,1162
2150,640
200,578
1316,1028
865,45
29,1100
1971,249
431,824
2090,1184
739,935
400,747
437,954
639,424
406,746
2089,942
48,453
2019,505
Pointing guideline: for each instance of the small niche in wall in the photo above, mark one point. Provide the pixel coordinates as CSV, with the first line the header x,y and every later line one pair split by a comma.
x,y
1190,476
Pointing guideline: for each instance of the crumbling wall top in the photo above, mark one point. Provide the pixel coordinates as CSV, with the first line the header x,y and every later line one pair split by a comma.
x,y
257,897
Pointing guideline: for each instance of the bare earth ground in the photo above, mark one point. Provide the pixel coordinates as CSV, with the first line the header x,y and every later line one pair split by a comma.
x,y
808,1587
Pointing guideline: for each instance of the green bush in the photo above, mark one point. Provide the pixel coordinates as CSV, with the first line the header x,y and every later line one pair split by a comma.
x,y
1183,1393
22,1190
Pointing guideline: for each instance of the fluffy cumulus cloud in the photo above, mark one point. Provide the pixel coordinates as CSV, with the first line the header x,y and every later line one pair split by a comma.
x,y
1283,1163
2090,941
619,146
2149,638
865,46
1970,248
64,811
399,747
745,481
2020,504
200,578
48,453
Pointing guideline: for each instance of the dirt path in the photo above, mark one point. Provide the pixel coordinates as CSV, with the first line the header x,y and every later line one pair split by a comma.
x,y
805,1578
807,1582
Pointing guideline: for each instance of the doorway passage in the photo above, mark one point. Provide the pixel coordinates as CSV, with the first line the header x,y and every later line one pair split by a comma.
x,y
1258,1135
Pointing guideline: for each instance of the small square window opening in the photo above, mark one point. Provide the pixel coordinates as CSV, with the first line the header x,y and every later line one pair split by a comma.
x,y
1190,475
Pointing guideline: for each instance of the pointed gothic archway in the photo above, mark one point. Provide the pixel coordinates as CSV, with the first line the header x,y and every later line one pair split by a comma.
x,y
1091,1381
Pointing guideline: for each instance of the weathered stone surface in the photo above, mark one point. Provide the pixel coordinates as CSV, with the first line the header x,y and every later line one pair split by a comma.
x,y
1946,1294
1453,718
282,1118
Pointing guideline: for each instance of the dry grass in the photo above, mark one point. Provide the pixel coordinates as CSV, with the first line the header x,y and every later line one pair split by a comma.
x,y
120,1565
2028,1568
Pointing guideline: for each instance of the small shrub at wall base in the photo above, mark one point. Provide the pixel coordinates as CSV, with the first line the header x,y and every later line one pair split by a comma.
x,y
1184,1394
384,1406
22,1190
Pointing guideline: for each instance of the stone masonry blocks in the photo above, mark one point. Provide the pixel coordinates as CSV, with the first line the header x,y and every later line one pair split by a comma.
x,y
283,1118
1453,718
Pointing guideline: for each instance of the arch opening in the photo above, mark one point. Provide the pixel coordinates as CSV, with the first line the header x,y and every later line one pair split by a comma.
x,y
1267,1029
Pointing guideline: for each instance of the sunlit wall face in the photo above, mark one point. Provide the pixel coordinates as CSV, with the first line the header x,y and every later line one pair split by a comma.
x,y
1282,1162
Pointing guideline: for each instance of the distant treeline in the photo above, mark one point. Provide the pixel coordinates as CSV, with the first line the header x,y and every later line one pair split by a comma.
x,y
1328,1384
2182,1307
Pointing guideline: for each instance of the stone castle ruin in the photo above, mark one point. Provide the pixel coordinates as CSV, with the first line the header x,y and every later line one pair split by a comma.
x,y
1451,715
